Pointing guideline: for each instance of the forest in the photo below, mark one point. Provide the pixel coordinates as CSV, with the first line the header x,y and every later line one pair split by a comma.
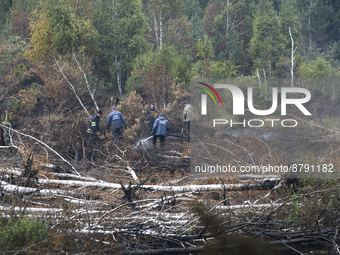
x,y
61,61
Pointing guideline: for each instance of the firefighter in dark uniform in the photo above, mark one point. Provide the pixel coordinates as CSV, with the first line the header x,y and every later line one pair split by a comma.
x,y
6,136
116,120
151,116
94,128
159,129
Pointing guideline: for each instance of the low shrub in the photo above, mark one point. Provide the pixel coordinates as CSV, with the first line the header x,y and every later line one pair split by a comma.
x,y
23,232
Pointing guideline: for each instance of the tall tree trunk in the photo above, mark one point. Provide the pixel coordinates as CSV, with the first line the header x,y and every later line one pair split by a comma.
x,y
258,76
165,97
227,29
160,31
292,60
310,25
117,62
265,84
156,29
118,75
113,11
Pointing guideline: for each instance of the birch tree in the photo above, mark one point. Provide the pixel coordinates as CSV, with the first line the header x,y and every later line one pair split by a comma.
x,y
292,58
159,13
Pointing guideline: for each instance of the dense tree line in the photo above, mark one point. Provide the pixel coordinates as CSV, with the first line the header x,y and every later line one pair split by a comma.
x,y
125,45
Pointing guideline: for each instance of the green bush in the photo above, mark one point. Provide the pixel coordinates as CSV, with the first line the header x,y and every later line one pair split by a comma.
x,y
23,232
17,72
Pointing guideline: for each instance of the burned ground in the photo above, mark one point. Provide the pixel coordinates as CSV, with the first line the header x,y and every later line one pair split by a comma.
x,y
133,198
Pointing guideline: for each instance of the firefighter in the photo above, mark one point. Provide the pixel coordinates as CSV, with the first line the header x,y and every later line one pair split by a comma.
x,y
116,121
188,115
151,115
159,129
6,135
94,128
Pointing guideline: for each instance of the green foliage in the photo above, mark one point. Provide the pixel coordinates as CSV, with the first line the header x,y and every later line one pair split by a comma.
x,y
183,69
205,49
223,69
320,68
331,122
290,18
318,20
16,72
133,83
56,29
194,11
229,24
226,22
61,23
178,67
121,26
205,52
25,102
207,67
180,35
27,5
156,73
268,43
23,232
304,200
11,51
235,51
111,34
5,7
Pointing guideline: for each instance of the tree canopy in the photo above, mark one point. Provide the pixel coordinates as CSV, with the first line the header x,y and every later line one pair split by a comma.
x,y
106,40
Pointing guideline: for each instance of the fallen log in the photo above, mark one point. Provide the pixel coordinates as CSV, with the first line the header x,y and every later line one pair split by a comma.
x,y
166,251
45,210
29,191
187,188
73,176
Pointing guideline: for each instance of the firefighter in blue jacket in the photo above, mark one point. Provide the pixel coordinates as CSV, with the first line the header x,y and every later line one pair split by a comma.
x,y
159,129
116,121
94,127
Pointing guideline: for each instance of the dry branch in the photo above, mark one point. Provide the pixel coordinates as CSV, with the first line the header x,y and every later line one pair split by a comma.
x,y
70,85
42,143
